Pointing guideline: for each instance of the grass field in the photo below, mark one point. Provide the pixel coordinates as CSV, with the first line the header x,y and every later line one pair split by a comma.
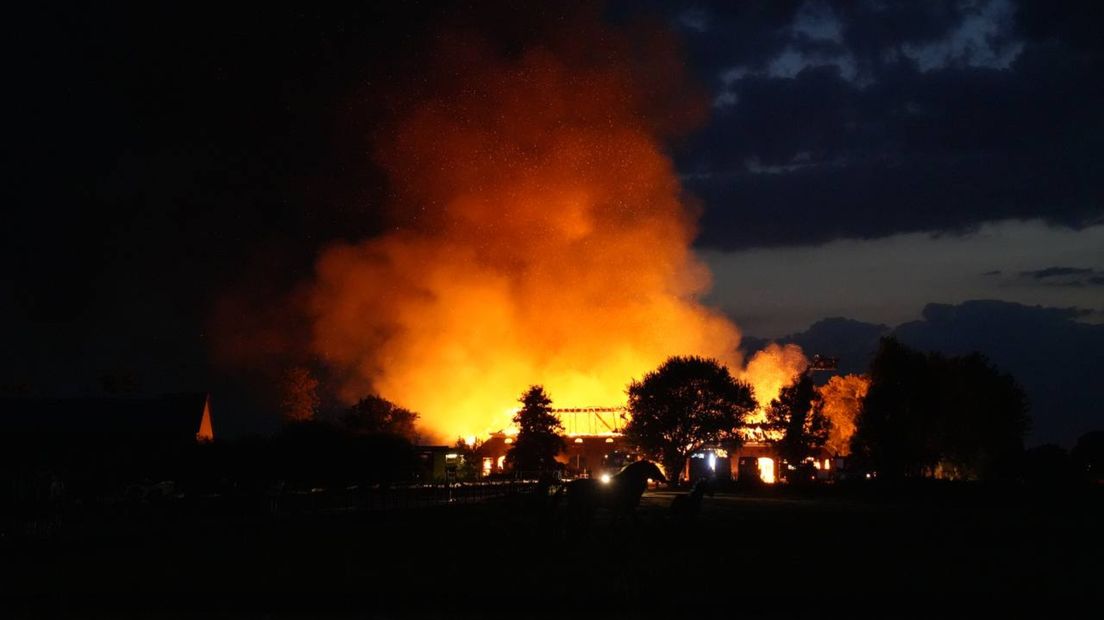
x,y
498,557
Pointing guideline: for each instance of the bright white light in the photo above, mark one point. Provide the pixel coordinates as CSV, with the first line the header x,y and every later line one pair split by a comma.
x,y
766,469
605,478
712,462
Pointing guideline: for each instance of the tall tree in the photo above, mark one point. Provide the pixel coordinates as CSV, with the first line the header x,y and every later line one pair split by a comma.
x,y
893,431
930,415
539,437
1088,455
375,415
798,413
299,395
684,404
471,461
984,416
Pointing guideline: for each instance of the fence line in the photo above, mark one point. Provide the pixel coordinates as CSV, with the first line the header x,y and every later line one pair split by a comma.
x,y
45,519
390,497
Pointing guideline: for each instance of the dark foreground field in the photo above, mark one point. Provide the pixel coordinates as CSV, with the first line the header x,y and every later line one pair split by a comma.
x,y
749,552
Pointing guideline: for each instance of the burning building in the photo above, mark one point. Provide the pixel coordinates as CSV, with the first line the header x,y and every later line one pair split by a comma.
x,y
594,442
537,234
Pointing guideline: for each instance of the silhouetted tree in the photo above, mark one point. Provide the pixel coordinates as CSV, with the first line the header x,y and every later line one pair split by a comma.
x,y
298,395
684,404
1088,455
375,415
311,453
891,433
471,462
317,453
927,415
539,437
1048,464
982,417
798,413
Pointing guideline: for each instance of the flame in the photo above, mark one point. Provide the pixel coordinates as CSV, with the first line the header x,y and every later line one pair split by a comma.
x,y
766,469
770,370
540,239
843,396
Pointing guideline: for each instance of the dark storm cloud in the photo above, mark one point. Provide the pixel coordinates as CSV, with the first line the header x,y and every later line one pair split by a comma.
x,y
864,119
1051,272
1054,356
728,33
1076,277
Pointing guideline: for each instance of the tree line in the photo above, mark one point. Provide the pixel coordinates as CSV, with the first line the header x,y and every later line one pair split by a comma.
x,y
915,414
923,415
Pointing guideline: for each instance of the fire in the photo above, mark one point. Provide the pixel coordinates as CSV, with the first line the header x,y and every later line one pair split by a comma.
x,y
766,469
842,398
769,371
540,238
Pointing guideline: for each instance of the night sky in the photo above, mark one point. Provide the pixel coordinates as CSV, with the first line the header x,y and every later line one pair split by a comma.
x,y
933,169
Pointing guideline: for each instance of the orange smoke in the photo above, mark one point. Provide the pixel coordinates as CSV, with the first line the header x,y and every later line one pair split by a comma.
x,y
540,238
769,371
843,396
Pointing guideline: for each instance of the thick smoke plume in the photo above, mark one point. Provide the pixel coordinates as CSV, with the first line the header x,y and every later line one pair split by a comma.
x,y
770,370
539,237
